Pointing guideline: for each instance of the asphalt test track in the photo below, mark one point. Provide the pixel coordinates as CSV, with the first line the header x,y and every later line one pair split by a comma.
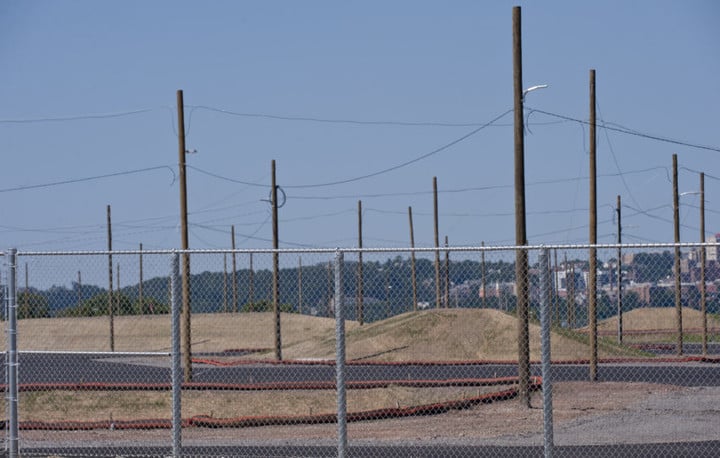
x,y
88,368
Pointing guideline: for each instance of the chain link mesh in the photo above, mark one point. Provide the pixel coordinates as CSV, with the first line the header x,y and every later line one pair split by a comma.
x,y
431,343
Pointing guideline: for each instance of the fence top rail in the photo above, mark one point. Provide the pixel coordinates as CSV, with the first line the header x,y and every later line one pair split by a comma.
x,y
486,248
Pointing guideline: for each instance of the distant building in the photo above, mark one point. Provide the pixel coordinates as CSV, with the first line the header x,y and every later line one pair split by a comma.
x,y
497,289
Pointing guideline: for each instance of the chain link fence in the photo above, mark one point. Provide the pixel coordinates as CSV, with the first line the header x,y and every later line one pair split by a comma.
x,y
374,352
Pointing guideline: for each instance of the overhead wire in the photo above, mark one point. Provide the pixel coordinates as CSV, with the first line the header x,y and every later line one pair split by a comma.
x,y
615,160
80,117
707,175
342,121
634,132
91,178
406,163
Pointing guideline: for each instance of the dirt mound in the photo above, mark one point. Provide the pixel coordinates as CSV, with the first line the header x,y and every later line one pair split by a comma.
x,y
449,334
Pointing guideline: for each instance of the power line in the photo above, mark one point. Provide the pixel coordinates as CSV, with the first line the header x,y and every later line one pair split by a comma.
x,y
344,121
224,178
76,117
698,172
627,131
369,175
614,157
92,178
477,215
660,218
470,189
406,163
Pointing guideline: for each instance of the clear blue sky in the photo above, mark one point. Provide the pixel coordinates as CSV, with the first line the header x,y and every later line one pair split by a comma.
x,y
433,63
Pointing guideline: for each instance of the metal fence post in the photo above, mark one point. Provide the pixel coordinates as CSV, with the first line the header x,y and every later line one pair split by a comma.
x,y
12,363
177,371
340,356
545,318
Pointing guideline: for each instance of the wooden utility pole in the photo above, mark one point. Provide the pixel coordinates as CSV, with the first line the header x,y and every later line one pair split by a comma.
x,y
703,305
619,273
141,299
276,267
413,273
676,227
592,274
186,310
521,255
359,309
111,309
447,274
234,272
483,279
438,298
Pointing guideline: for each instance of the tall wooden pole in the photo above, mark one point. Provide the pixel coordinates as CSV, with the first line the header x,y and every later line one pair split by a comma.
x,y
186,311
703,305
413,273
111,308
592,274
521,255
234,272
359,309
619,272
676,227
276,267
438,298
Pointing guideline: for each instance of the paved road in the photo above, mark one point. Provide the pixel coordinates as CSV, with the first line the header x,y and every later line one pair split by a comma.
x,y
73,368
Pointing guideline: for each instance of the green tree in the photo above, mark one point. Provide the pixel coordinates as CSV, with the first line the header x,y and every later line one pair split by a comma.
x,y
265,306
662,297
652,267
98,306
32,305
630,301
150,306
